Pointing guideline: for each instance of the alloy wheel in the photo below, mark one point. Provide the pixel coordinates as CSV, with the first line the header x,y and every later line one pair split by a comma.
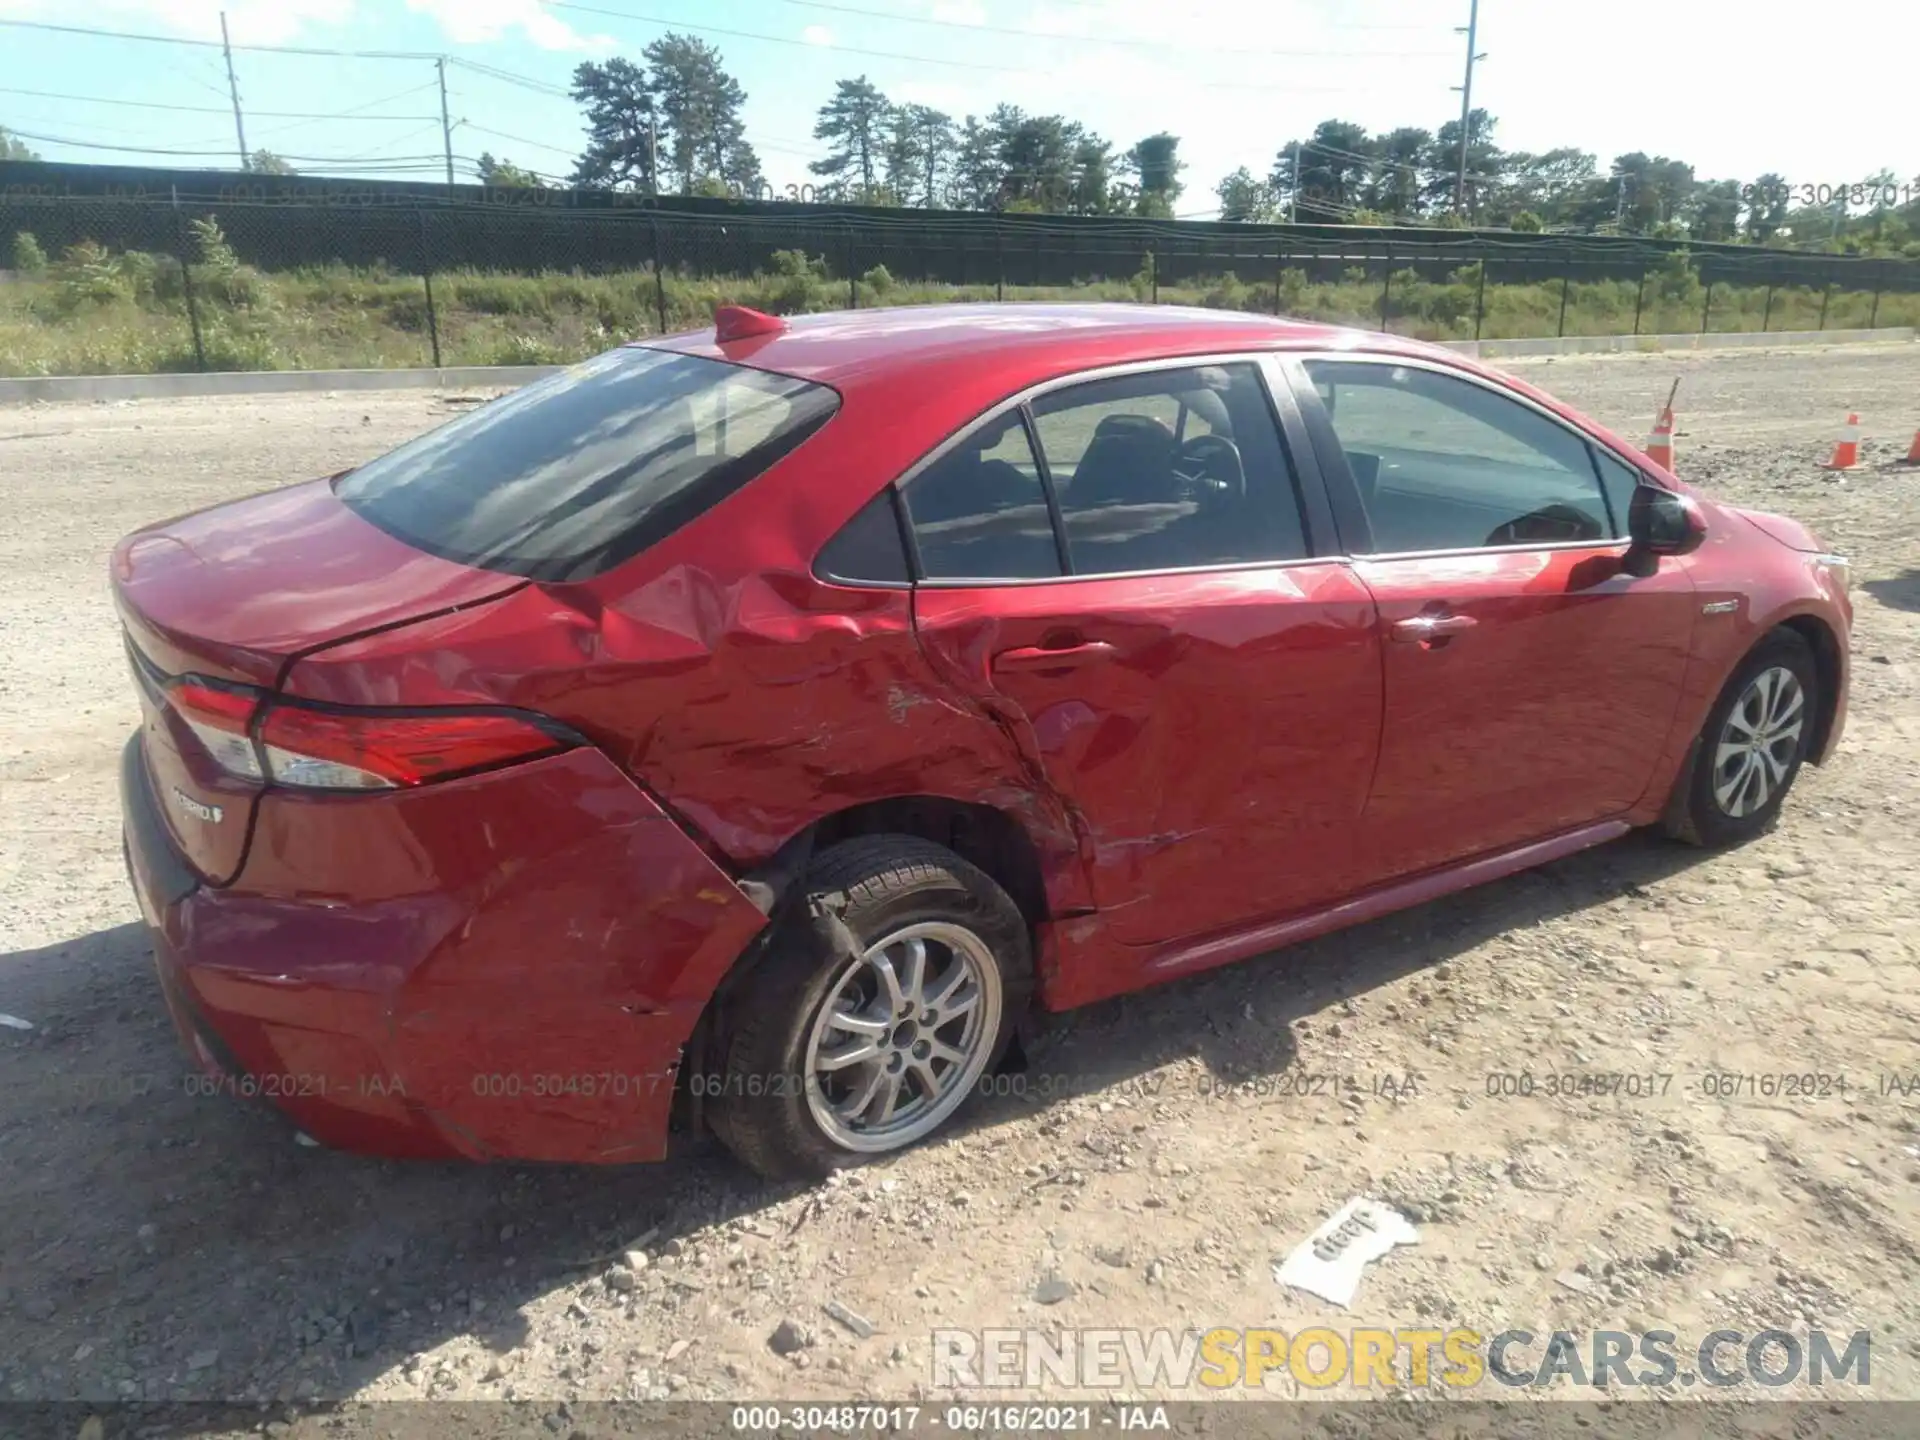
x,y
903,1035
1758,742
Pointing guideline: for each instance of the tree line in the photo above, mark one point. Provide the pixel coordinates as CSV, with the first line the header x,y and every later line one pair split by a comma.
x,y
675,122
1343,174
672,122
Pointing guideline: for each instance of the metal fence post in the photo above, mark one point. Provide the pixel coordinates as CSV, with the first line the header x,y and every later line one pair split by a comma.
x,y
1278,268
426,274
1879,284
1153,272
1566,283
999,266
1386,288
659,275
1480,299
853,282
1639,299
1766,315
186,282
1826,296
1706,309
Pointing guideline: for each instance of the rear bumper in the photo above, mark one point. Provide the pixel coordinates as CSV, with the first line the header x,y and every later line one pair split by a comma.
x,y
502,967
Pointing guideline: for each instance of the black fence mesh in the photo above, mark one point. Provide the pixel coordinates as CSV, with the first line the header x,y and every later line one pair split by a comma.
x,y
228,280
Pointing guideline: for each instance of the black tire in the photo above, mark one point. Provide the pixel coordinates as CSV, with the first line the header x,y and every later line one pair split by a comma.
x,y
856,894
1698,817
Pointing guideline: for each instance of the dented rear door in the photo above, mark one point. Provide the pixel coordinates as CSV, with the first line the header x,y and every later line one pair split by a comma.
x,y
1215,734
1153,630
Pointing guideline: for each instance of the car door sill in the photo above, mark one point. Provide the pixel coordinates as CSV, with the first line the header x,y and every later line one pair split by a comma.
x,y
1223,949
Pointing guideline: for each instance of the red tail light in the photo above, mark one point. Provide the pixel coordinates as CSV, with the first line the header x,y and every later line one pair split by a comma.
x,y
372,750
339,748
219,719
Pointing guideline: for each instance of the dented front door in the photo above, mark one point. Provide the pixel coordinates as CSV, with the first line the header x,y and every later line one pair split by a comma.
x,y
1213,733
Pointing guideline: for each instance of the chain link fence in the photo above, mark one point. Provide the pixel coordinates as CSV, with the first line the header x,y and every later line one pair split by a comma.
x,y
104,284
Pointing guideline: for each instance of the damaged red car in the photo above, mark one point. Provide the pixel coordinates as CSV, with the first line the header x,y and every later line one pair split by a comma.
x,y
756,726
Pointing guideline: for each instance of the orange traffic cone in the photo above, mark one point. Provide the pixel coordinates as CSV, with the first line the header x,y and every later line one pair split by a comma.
x,y
1913,454
1846,450
1660,442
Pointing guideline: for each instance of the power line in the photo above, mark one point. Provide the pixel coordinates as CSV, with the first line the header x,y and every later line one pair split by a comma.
x,y
215,44
1160,46
202,109
526,82
678,25
520,140
357,112
207,154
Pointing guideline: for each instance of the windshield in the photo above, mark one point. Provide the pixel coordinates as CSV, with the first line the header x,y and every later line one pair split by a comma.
x,y
584,469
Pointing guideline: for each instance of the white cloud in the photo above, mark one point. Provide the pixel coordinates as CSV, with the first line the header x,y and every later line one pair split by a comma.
x,y
476,22
817,35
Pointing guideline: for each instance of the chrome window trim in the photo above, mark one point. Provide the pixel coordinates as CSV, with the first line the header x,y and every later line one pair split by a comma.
x,y
1617,543
1440,367
1258,359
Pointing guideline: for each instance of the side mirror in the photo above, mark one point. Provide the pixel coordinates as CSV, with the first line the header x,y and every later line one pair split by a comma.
x,y
1661,522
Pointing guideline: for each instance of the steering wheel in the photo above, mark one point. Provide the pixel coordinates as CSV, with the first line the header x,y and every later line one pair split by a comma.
x,y
1550,524
1210,467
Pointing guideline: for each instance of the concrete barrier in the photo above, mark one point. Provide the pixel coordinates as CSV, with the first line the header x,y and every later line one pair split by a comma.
x,y
507,377
1656,344
265,382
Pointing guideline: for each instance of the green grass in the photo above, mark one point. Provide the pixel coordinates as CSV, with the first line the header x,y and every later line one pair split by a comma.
x,y
91,312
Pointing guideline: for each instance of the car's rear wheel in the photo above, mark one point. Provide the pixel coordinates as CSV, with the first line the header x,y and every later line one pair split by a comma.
x,y
878,1008
1752,745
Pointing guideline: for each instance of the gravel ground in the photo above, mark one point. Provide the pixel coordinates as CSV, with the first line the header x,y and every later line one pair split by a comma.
x,y
165,1248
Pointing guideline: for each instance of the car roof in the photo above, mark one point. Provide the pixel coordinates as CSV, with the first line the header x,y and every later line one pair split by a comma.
x,y
844,347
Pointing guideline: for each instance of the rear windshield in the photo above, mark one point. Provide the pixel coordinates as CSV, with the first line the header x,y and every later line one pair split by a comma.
x,y
586,468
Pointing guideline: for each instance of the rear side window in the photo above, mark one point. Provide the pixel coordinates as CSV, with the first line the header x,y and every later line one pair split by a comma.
x,y
1170,470
979,512
578,472
869,549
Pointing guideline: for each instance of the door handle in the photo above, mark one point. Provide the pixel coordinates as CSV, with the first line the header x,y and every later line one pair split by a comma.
x,y
1419,629
1036,657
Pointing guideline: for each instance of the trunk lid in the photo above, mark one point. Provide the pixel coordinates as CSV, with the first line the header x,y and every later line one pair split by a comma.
x,y
230,597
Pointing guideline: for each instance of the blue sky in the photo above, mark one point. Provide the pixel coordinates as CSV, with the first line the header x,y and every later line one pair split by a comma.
x,y
1730,87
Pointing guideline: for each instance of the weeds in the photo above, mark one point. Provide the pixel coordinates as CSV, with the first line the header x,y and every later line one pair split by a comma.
x,y
91,311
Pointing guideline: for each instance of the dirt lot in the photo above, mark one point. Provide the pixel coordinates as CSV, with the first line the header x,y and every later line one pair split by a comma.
x,y
161,1247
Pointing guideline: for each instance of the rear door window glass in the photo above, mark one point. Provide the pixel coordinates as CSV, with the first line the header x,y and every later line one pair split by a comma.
x,y
584,469
1170,470
979,512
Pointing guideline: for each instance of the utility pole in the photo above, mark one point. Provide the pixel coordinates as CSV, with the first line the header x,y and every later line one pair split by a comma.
x,y
233,88
1466,105
446,127
1293,193
653,155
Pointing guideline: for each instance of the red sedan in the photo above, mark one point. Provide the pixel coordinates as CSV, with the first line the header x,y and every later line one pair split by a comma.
x,y
755,725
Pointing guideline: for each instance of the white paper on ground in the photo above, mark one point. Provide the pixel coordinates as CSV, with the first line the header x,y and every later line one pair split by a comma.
x,y
14,1022
1329,1261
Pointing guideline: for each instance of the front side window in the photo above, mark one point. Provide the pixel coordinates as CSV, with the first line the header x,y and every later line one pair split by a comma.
x,y
1619,480
584,469
1442,463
